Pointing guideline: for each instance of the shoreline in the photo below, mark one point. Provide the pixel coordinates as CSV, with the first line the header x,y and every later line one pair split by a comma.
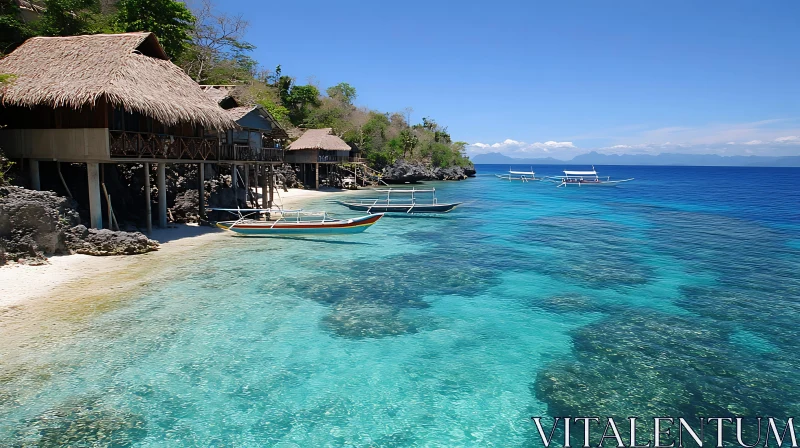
x,y
22,284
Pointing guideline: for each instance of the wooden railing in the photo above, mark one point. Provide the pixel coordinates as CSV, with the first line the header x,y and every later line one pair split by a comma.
x,y
144,145
245,152
330,158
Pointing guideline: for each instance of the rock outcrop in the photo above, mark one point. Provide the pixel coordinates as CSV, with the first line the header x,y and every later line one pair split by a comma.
x,y
34,224
411,172
82,240
404,172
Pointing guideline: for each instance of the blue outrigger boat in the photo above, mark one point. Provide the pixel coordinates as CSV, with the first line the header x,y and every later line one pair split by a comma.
x,y
295,223
404,205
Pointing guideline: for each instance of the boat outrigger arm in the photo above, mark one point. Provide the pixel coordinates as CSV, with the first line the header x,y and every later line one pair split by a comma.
x,y
245,213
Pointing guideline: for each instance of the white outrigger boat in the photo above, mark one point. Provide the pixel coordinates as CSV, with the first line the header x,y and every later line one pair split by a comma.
x,y
586,178
524,176
293,223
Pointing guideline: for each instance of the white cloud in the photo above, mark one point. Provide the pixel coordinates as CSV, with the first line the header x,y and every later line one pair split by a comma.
x,y
517,148
778,137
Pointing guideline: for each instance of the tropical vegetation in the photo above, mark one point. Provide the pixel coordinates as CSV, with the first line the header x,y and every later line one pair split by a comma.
x,y
210,47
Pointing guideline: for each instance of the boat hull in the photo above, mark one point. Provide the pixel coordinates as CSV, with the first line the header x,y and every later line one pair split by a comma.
x,y
400,208
333,227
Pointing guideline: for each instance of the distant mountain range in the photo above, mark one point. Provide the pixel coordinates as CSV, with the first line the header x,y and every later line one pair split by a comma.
x,y
595,158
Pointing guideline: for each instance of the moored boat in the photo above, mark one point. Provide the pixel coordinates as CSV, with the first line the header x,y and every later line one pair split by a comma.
x,y
409,205
524,176
296,223
586,178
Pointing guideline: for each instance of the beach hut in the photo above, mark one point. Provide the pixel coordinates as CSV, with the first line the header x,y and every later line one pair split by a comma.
x,y
258,136
315,147
107,98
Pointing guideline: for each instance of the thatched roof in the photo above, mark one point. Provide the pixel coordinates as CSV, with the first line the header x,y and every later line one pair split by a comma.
x,y
319,139
130,70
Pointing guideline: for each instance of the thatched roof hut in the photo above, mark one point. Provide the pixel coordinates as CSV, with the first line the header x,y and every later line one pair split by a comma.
x,y
319,139
128,70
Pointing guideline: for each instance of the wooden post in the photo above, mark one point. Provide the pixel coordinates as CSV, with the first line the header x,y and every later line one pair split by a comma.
x,y
316,176
234,182
147,198
246,184
256,167
36,183
271,184
201,189
162,195
95,204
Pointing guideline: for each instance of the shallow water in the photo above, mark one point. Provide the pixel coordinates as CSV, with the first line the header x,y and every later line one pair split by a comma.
x,y
676,294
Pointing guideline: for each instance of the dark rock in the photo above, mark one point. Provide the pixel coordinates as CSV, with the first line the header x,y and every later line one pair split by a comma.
x,y
186,208
32,222
286,176
107,242
449,173
470,172
405,172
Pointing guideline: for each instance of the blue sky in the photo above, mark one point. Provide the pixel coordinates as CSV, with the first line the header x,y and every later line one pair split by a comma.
x,y
556,78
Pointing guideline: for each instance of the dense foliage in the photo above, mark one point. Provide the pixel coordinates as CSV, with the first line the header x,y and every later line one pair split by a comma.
x,y
210,47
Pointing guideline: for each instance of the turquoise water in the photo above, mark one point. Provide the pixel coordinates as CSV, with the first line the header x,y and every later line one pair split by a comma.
x,y
676,294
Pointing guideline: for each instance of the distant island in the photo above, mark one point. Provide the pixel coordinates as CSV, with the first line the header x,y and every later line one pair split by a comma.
x,y
595,158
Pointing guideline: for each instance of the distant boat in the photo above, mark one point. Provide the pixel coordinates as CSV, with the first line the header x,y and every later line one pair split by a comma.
x,y
409,205
524,176
586,178
295,223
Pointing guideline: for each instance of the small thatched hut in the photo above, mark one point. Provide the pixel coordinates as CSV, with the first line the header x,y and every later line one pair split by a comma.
x,y
317,146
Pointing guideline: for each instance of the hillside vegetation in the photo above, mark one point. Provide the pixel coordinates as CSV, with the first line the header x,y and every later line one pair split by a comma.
x,y
209,46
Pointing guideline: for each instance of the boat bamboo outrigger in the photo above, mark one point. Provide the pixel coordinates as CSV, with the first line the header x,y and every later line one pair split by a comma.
x,y
293,223
586,178
403,205
524,176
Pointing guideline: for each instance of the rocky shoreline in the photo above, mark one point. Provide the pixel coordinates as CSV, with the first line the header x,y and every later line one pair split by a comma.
x,y
411,172
35,224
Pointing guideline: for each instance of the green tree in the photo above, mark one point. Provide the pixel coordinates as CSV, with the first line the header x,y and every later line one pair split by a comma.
x,y
170,20
217,53
68,18
13,31
409,141
343,92
299,101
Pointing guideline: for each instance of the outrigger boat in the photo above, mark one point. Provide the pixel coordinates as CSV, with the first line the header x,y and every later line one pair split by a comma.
x,y
586,178
294,223
403,205
524,176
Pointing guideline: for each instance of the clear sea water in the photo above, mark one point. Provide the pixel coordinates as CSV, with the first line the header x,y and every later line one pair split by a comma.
x,y
677,294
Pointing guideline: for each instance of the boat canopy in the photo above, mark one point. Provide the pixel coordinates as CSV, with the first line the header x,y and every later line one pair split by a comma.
x,y
580,173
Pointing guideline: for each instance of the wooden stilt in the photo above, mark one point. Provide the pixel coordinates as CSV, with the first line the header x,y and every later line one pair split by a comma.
x,y
148,199
95,204
162,195
33,168
201,189
316,176
271,185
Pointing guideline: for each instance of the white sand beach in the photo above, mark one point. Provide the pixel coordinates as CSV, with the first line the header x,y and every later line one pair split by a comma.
x,y
21,283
